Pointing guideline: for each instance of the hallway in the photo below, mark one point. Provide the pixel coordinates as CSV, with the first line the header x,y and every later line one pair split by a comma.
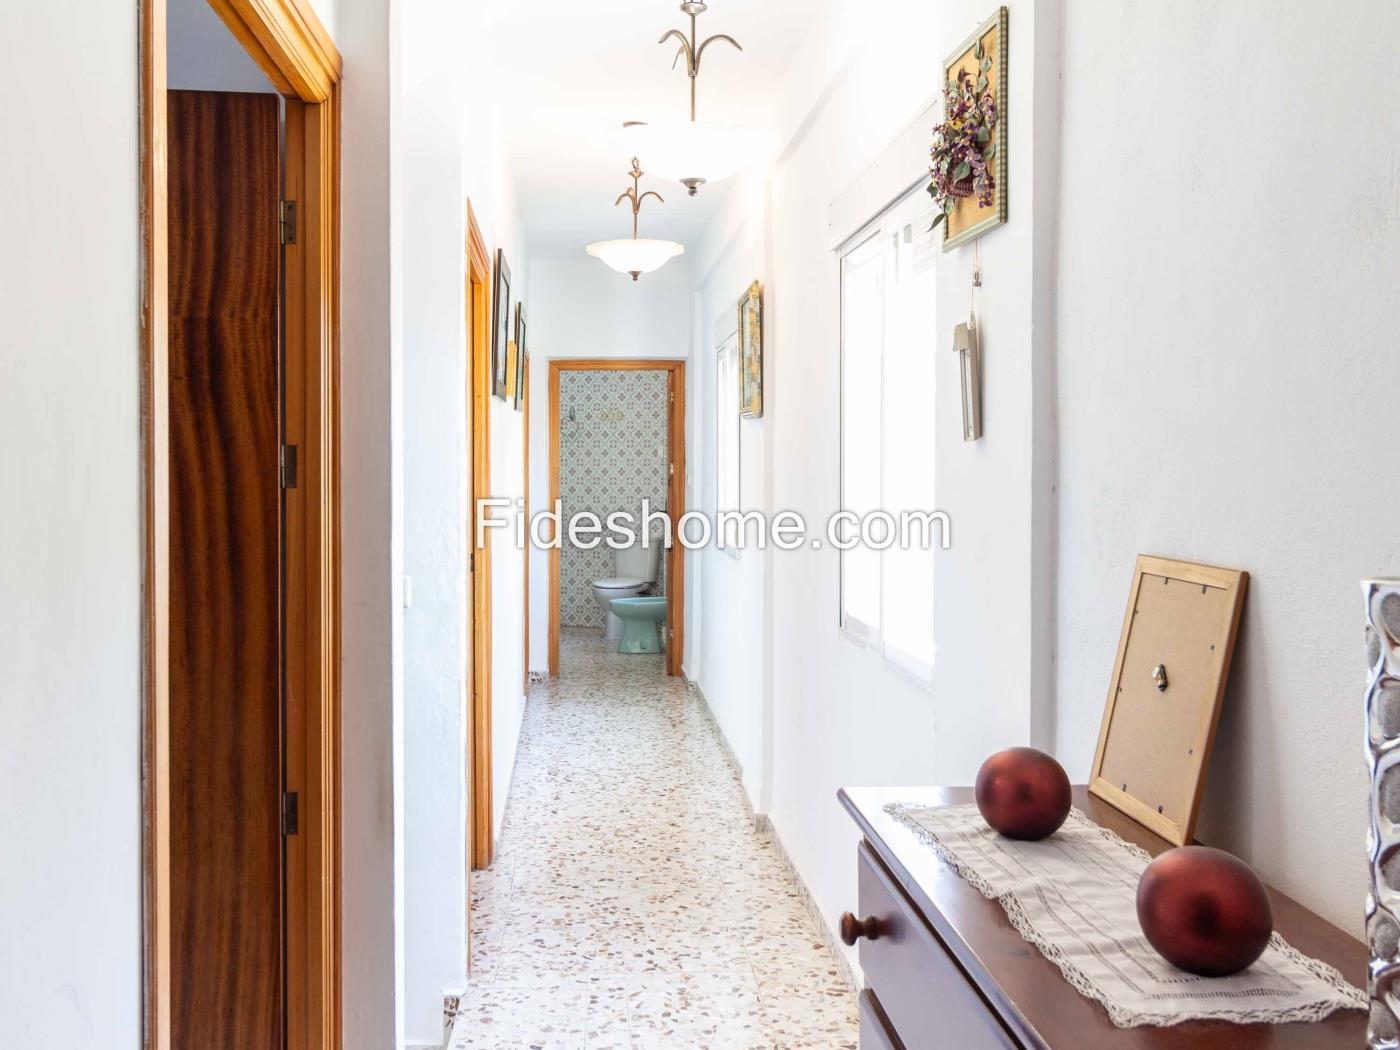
x,y
631,903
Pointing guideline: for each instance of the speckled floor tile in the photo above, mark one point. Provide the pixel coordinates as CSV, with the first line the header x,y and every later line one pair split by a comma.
x,y
632,905
559,1015
697,1011
795,1021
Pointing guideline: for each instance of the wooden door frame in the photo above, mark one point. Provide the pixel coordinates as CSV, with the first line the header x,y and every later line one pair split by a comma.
x,y
293,49
525,509
480,275
675,498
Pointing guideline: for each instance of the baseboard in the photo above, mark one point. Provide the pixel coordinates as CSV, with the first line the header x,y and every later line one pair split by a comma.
x,y
814,911
729,754
763,825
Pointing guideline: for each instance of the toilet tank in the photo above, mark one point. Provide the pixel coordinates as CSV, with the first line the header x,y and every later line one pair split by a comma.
x,y
638,561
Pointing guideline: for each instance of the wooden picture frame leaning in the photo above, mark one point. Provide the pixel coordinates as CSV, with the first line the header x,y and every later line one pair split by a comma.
x,y
1165,696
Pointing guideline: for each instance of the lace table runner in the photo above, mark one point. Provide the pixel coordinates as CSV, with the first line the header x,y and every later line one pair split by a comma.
x,y
1073,896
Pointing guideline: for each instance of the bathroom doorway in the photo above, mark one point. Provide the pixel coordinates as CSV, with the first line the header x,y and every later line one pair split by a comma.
x,y
628,415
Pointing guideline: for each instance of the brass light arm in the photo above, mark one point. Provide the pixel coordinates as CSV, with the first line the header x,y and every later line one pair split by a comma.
x,y
631,194
692,51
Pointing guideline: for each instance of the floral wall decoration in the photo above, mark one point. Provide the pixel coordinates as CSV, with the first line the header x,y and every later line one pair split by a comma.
x,y
751,352
967,161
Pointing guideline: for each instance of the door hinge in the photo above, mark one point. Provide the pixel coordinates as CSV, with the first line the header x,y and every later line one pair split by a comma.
x,y
288,466
290,814
287,221
671,470
471,566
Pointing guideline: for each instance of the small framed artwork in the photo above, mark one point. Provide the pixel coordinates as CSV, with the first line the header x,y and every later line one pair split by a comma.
x,y
512,356
751,353
500,334
973,187
518,367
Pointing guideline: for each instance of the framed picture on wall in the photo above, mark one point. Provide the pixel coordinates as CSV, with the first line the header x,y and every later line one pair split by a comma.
x,y
520,351
751,353
500,334
974,78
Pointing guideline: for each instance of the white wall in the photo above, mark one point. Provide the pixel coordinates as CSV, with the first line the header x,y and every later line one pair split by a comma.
x,y
202,55
1229,332
1170,366
578,308
371,689
433,465
70,965
730,628
448,160
70,534
70,972
830,712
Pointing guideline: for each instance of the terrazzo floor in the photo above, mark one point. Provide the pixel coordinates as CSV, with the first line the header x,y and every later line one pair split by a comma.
x,y
632,904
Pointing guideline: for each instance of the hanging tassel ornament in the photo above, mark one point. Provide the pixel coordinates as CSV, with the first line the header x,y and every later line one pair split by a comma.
x,y
969,358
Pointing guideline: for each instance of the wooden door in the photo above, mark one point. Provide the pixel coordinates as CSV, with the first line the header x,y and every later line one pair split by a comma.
x,y
226,968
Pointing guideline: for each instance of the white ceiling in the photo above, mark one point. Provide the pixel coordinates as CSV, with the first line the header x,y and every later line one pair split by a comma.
x,y
571,71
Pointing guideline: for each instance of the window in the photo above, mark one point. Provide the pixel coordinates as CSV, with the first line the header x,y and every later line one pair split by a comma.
x,y
888,348
727,439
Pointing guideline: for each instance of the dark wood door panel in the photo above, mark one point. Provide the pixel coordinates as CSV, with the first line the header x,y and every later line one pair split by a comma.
x,y
225,519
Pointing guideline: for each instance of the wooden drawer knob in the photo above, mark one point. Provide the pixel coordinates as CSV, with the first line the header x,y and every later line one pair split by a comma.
x,y
853,929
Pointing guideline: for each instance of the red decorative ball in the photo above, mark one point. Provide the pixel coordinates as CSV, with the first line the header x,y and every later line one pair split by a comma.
x,y
1204,910
1023,793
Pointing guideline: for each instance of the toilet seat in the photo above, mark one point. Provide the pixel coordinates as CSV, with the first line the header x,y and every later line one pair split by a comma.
x,y
619,583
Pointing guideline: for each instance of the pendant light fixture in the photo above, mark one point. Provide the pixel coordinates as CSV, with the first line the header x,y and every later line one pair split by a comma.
x,y
636,255
690,152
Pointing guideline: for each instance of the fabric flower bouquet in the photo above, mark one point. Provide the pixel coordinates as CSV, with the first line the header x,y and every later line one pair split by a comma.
x,y
963,144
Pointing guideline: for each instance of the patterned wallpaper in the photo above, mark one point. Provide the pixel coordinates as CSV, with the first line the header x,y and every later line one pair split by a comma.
x,y
612,455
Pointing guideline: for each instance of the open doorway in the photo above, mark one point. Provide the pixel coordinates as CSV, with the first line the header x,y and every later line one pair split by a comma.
x,y
226,513
616,437
240,133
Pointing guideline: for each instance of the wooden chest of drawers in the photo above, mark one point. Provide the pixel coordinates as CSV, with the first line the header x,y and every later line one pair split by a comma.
x,y
945,969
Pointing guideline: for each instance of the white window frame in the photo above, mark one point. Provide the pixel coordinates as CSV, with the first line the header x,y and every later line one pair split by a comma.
x,y
908,206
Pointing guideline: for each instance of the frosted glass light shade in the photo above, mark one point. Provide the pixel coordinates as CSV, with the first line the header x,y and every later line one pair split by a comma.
x,y
635,255
689,152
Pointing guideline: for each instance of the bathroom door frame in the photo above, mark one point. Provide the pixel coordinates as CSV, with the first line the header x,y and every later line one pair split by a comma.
x,y
675,497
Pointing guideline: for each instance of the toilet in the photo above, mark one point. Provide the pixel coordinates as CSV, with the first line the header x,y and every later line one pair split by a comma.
x,y
635,570
640,617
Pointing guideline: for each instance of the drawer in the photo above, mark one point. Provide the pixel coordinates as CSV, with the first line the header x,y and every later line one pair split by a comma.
x,y
919,986
875,1032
